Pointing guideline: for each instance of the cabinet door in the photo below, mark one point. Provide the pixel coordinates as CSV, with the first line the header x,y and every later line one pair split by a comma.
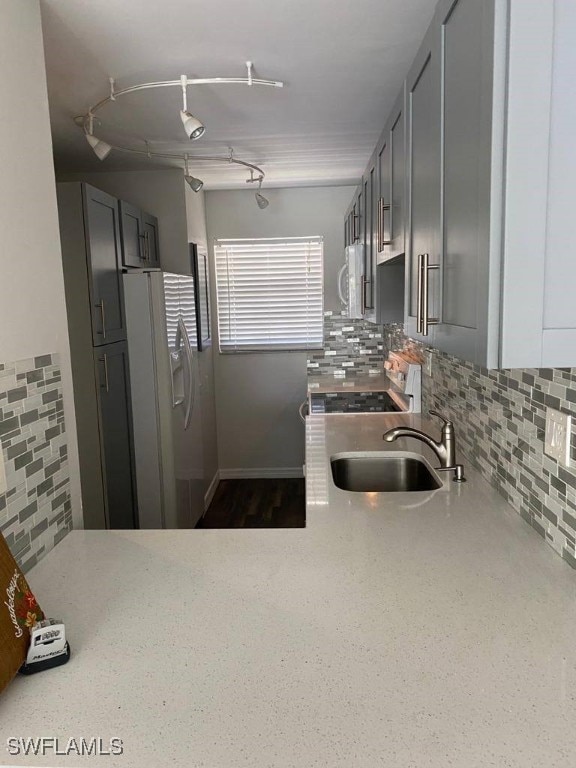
x,y
111,362
369,304
467,41
423,298
151,241
103,251
397,179
132,234
384,200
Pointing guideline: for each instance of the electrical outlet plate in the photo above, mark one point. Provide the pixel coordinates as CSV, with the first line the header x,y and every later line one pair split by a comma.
x,y
3,483
428,357
558,433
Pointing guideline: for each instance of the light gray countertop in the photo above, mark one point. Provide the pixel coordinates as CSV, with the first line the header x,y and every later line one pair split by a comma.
x,y
406,631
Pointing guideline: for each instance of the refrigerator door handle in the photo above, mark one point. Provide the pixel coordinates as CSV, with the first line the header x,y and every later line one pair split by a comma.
x,y
189,392
175,368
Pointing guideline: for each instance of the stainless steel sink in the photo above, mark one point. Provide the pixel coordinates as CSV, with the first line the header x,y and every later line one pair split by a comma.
x,y
384,472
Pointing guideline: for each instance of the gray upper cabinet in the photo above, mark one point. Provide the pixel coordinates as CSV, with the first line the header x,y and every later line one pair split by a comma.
x,y
139,233
474,174
383,202
391,164
102,247
466,37
423,252
132,235
151,240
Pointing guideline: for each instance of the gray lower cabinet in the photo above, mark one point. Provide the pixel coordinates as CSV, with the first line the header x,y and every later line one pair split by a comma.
x,y
113,392
139,237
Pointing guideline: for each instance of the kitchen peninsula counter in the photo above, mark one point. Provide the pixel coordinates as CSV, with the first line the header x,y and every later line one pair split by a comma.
x,y
419,630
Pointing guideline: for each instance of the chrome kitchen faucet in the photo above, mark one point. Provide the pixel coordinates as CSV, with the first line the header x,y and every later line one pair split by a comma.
x,y
445,449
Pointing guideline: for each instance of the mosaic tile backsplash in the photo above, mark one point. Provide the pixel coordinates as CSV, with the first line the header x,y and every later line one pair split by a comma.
x,y
35,512
351,348
500,419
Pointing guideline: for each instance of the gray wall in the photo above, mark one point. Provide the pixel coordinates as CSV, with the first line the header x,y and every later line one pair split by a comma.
x,y
258,395
32,306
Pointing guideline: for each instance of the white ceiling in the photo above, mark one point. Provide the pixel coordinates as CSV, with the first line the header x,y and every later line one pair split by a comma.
x,y
343,64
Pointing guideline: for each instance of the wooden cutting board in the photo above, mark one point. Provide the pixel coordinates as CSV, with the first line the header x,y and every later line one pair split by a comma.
x,y
19,611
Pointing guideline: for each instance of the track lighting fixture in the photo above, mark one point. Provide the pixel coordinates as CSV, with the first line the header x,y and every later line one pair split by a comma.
x,y
195,184
260,199
193,127
101,149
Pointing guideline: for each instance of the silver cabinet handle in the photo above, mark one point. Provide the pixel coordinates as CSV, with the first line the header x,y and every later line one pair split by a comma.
x,y
363,295
303,410
100,306
425,269
104,360
147,241
143,248
419,296
355,233
382,208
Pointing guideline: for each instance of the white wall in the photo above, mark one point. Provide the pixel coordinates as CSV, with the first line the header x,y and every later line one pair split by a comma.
x,y
258,395
32,305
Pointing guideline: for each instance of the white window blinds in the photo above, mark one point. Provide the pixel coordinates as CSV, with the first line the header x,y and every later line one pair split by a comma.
x,y
269,293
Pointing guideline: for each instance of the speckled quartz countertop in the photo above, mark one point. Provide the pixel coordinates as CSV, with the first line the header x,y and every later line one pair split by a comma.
x,y
406,631
375,383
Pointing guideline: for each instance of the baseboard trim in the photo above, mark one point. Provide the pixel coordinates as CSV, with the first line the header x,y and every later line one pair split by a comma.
x,y
260,473
209,495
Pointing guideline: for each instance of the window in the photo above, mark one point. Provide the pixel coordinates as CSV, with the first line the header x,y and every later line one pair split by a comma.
x,y
269,293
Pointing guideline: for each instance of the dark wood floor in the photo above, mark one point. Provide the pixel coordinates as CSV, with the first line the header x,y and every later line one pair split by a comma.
x,y
257,504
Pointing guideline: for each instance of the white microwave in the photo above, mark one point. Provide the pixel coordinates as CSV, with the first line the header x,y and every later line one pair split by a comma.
x,y
351,281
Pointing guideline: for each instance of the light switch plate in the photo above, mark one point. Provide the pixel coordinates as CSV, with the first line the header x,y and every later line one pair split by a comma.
x,y
3,483
558,433
428,357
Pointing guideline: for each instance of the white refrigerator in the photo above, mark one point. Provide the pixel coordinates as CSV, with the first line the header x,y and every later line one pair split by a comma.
x,y
165,388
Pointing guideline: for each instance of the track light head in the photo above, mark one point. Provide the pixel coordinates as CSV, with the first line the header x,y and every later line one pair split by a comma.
x,y
262,201
193,127
195,184
101,149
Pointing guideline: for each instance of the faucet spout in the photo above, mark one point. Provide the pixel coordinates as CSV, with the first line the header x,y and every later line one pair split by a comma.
x,y
445,450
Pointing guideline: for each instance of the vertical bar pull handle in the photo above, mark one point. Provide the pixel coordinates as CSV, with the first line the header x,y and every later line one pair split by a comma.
x,y
426,321
104,360
143,247
100,306
419,296
382,208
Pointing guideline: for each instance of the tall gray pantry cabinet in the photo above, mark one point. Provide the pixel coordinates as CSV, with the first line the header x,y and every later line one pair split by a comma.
x,y
92,259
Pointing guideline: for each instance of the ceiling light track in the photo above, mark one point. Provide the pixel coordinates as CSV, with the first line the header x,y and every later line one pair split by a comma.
x,y
250,81
192,125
